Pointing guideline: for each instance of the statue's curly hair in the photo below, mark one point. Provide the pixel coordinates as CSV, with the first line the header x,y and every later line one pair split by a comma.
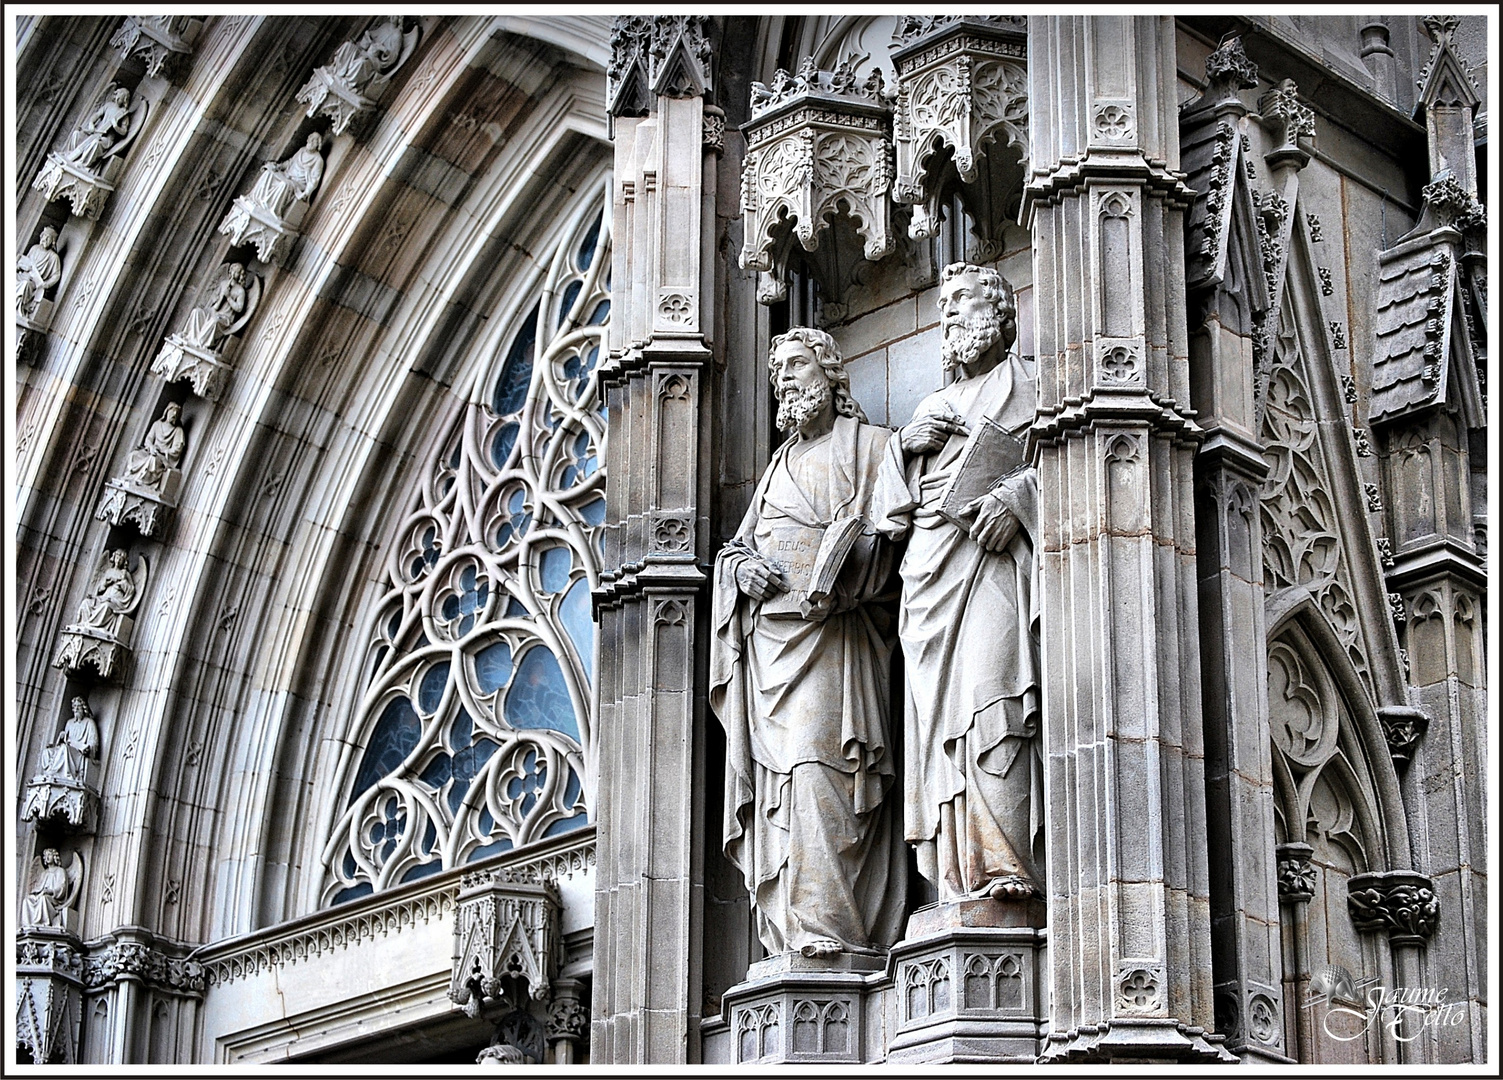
x,y
994,287
823,346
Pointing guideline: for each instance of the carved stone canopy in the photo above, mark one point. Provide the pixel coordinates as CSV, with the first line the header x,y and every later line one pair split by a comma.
x,y
652,55
505,934
818,143
962,85
160,40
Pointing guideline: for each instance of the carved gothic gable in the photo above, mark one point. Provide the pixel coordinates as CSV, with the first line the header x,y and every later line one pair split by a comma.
x,y
1223,223
1422,354
1317,537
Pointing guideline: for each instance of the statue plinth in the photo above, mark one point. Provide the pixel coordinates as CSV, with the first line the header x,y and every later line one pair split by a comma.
x,y
327,94
125,500
967,983
249,223
86,191
181,360
802,1010
80,646
61,800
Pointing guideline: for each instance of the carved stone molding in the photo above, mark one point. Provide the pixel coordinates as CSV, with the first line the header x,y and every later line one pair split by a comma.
x,y
818,142
962,82
354,80
49,983
1296,874
1400,901
655,55
84,172
505,927
101,636
1403,727
162,41
144,963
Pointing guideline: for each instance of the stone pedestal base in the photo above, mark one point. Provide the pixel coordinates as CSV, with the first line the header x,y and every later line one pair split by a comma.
x,y
124,501
181,360
968,985
801,1010
49,986
331,96
61,799
248,223
1141,1041
86,191
79,646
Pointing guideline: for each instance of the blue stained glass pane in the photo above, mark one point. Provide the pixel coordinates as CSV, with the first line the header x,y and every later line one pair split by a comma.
x,y
593,512
394,737
563,825
348,865
393,626
587,247
502,444
431,689
554,567
601,313
492,669
538,698
571,293
423,870
487,823
467,765
574,612
460,731
516,372
515,610
450,608
466,624
494,848
430,839
354,892
437,772
572,789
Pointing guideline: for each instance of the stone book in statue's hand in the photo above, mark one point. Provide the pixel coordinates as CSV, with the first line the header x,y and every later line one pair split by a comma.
x,y
991,452
810,558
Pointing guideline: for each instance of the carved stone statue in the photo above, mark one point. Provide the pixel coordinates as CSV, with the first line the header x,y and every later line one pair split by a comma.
x,y
159,452
349,84
111,597
36,272
294,180
85,169
54,888
77,745
194,352
968,619
799,674
270,214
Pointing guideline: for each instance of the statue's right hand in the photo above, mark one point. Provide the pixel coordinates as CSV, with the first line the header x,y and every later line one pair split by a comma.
x,y
759,580
928,433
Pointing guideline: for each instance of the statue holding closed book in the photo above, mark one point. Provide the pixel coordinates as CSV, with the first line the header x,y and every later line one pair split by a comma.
x,y
799,674
955,483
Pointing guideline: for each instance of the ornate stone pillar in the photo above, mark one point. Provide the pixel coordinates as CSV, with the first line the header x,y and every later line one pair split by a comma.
x,y
1231,292
1129,919
646,996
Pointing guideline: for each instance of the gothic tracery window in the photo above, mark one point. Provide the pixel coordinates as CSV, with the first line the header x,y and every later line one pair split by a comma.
x,y
476,727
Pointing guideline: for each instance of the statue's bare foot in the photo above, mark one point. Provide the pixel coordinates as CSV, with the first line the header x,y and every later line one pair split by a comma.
x,y
821,947
1011,887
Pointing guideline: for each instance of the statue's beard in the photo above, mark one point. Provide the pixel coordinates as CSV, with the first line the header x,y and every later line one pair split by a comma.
x,y
965,343
797,407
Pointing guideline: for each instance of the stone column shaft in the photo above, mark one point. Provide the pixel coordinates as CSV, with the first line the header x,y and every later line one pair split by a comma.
x,y
1129,921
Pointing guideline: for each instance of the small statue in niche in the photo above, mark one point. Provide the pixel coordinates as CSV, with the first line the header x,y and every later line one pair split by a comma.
x,y
799,674
220,312
113,594
36,272
360,70
85,169
195,352
77,744
295,180
270,215
377,51
54,889
956,483
159,453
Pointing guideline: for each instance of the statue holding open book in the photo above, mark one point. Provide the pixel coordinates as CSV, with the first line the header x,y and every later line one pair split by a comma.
x,y
955,481
799,671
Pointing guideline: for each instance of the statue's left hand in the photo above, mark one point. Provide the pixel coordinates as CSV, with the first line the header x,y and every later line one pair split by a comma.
x,y
995,524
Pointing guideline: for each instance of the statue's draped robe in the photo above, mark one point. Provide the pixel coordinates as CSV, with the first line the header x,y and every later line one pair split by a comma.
x,y
805,708
972,782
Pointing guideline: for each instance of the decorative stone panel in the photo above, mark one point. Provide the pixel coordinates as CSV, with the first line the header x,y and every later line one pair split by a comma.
x,y
962,84
818,142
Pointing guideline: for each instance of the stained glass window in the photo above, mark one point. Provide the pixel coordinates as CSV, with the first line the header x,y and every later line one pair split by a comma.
x,y
476,728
